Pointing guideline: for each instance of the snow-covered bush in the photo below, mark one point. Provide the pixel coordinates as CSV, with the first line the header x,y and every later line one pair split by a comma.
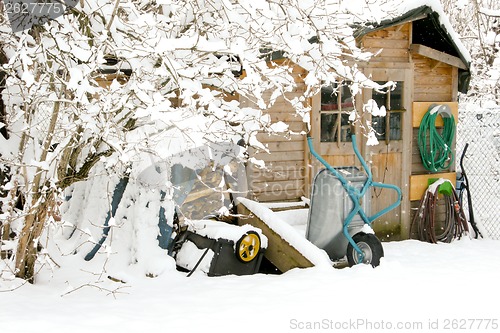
x,y
175,69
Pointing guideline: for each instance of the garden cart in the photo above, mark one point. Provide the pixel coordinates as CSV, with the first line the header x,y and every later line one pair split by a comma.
x,y
339,220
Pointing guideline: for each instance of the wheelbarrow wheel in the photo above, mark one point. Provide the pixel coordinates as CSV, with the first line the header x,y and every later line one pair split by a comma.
x,y
248,247
371,247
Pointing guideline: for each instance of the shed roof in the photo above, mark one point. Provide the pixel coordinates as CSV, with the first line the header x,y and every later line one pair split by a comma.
x,y
430,28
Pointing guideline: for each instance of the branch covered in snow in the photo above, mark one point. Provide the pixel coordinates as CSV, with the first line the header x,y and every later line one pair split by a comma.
x,y
125,84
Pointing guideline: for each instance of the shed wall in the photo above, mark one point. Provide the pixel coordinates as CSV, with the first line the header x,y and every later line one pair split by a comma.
x,y
390,45
288,176
285,174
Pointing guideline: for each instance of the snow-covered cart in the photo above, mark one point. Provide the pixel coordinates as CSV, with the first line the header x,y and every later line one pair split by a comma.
x,y
218,248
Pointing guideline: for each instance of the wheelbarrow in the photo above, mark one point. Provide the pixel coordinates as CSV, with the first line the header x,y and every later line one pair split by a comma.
x,y
339,220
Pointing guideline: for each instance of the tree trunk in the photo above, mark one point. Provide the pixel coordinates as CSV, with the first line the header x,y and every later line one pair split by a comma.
x,y
34,222
27,248
4,235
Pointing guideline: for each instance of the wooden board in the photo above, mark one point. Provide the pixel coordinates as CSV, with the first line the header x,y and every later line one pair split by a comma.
x,y
437,55
434,80
420,108
279,252
420,183
390,44
277,156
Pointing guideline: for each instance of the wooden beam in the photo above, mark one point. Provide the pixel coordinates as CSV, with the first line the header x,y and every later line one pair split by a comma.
x,y
437,55
454,84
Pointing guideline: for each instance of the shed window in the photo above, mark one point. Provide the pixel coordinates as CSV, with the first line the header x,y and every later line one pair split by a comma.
x,y
336,104
389,127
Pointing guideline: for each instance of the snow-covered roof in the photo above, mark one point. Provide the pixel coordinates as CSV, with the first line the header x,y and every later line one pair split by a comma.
x,y
431,28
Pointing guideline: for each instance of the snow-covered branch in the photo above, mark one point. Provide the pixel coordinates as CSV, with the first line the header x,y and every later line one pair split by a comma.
x,y
117,83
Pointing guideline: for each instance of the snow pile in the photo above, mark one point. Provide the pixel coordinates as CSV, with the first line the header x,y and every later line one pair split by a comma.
x,y
134,230
416,284
215,230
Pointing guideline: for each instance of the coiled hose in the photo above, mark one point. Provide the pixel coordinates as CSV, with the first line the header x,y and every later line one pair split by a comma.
x,y
454,225
435,147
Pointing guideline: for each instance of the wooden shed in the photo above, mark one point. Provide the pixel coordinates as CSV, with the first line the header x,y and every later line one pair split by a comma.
x,y
417,50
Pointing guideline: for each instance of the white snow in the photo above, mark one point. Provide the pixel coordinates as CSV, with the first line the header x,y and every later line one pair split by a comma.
x,y
416,284
215,230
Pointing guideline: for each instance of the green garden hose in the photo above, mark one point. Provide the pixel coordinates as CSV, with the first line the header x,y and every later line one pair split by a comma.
x,y
435,146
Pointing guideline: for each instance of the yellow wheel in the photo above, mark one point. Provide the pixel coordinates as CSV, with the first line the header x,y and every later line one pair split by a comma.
x,y
248,247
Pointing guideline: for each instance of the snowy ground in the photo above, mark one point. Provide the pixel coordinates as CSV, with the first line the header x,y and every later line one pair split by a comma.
x,y
418,287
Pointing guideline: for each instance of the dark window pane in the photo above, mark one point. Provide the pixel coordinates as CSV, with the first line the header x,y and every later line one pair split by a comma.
x,y
329,127
329,98
395,126
330,101
379,97
347,102
335,126
378,124
397,97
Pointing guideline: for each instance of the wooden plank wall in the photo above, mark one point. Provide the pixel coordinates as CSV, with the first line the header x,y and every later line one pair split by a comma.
x,y
433,81
390,44
285,175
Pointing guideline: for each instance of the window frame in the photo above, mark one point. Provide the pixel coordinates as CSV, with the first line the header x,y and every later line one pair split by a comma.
x,y
341,112
389,111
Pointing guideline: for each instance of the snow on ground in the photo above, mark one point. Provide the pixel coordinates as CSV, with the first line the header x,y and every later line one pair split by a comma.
x,y
416,284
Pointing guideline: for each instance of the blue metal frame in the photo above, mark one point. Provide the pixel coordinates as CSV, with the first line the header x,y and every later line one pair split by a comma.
x,y
355,194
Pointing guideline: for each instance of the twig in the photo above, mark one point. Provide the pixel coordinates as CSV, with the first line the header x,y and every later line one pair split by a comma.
x,y
109,291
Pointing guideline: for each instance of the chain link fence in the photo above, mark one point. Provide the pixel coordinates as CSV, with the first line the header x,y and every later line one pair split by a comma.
x,y
480,128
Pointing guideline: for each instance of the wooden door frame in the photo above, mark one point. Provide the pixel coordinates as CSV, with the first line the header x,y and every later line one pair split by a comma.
x,y
397,72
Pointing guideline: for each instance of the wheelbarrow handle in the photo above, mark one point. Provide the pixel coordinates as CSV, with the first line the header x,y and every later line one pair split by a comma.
x,y
335,172
368,183
390,207
325,163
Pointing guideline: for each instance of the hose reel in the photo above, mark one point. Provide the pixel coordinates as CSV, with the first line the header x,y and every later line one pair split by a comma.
x,y
436,147
430,229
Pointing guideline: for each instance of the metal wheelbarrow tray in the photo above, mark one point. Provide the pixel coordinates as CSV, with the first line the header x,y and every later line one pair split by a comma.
x,y
339,220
